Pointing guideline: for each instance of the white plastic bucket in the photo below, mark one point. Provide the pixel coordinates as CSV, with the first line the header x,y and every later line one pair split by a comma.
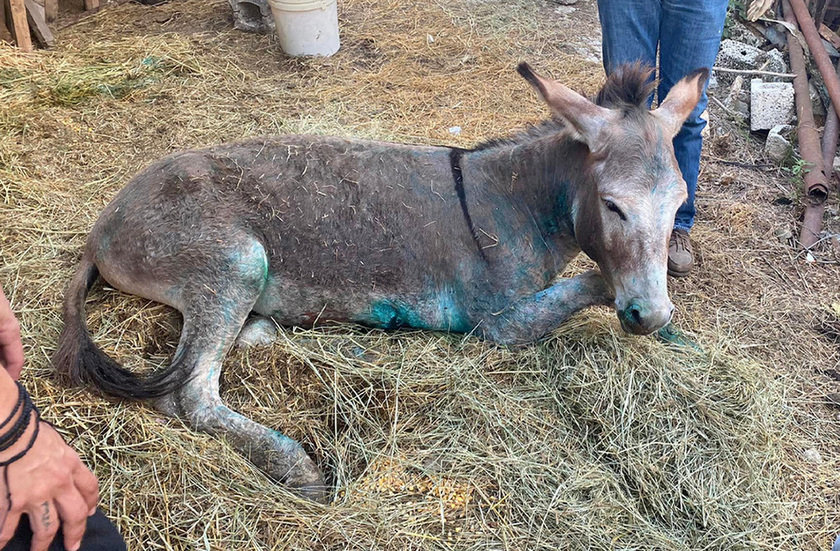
x,y
306,27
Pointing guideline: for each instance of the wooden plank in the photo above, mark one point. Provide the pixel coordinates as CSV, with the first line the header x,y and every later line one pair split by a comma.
x,y
38,23
91,5
21,27
5,33
830,36
50,10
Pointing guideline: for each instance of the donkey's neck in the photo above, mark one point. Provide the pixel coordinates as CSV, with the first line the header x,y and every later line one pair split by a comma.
x,y
538,176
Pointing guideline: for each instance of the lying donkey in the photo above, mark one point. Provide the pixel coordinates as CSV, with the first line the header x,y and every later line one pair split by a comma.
x,y
306,228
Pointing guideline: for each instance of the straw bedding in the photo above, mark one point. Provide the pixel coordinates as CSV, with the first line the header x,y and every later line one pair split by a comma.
x,y
588,440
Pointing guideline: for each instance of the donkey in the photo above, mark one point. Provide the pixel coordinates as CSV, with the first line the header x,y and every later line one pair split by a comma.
x,y
304,229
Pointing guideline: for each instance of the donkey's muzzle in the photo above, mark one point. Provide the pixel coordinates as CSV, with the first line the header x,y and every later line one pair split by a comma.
x,y
640,317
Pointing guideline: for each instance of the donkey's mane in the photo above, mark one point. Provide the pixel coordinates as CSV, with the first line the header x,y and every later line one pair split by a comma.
x,y
626,89
533,132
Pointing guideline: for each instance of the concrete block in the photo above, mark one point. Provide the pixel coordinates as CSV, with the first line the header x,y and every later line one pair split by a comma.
x,y
771,104
252,16
713,81
739,33
707,130
737,55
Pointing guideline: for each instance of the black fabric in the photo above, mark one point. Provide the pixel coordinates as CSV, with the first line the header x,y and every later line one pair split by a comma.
x,y
100,535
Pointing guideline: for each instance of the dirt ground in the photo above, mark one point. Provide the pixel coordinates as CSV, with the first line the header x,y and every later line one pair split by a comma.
x,y
132,83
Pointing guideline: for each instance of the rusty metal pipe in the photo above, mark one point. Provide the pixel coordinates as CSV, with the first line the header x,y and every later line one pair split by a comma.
x,y
812,38
831,133
816,188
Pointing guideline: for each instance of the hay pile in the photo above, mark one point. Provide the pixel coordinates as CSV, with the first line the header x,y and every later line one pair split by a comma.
x,y
589,440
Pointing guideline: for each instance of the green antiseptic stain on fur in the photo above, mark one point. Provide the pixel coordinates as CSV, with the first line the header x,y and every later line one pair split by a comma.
x,y
441,314
388,314
671,335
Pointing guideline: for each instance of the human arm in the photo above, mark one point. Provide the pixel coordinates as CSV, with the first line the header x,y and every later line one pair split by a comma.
x,y
11,349
48,482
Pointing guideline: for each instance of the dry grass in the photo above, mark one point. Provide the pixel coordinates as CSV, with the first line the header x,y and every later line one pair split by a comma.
x,y
589,440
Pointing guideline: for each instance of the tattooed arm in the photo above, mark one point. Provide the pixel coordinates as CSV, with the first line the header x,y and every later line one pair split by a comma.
x,y
49,482
11,349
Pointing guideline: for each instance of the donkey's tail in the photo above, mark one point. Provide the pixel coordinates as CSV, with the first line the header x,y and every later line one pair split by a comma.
x,y
79,358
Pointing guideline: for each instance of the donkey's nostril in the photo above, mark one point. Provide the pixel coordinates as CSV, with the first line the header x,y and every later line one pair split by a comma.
x,y
640,317
634,312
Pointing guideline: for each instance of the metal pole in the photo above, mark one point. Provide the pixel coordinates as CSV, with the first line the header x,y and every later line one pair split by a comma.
x,y
812,37
831,133
816,189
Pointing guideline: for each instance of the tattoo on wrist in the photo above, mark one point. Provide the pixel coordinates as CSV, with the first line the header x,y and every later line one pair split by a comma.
x,y
45,514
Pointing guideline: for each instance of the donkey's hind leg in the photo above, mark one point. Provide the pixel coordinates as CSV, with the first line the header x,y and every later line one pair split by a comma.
x,y
202,348
212,321
198,402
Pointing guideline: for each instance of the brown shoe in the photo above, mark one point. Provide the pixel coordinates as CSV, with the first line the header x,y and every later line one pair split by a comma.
x,y
680,255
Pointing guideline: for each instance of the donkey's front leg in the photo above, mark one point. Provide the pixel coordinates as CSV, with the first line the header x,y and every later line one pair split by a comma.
x,y
532,317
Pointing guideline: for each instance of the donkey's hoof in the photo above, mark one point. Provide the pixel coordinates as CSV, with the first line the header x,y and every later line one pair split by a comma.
x,y
319,493
307,481
258,331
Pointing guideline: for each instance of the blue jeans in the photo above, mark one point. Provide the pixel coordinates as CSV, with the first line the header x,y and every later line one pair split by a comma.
x,y
687,34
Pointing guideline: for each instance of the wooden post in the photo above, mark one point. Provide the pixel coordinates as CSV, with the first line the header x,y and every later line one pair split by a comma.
x,y
91,4
21,27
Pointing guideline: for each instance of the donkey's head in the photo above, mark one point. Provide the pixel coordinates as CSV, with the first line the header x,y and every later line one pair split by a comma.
x,y
630,188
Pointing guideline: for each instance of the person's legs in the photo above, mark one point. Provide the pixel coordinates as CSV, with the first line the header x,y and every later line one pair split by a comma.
x,y
630,30
690,36
100,535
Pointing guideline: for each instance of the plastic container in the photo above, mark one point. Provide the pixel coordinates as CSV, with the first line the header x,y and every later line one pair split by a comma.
x,y
306,27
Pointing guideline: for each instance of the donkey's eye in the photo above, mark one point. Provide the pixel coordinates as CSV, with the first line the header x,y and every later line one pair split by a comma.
x,y
614,208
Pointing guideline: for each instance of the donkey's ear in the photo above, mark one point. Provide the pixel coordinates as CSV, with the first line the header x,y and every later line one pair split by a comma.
x,y
681,100
588,119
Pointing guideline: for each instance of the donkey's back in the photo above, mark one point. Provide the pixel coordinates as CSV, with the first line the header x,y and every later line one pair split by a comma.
x,y
338,226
